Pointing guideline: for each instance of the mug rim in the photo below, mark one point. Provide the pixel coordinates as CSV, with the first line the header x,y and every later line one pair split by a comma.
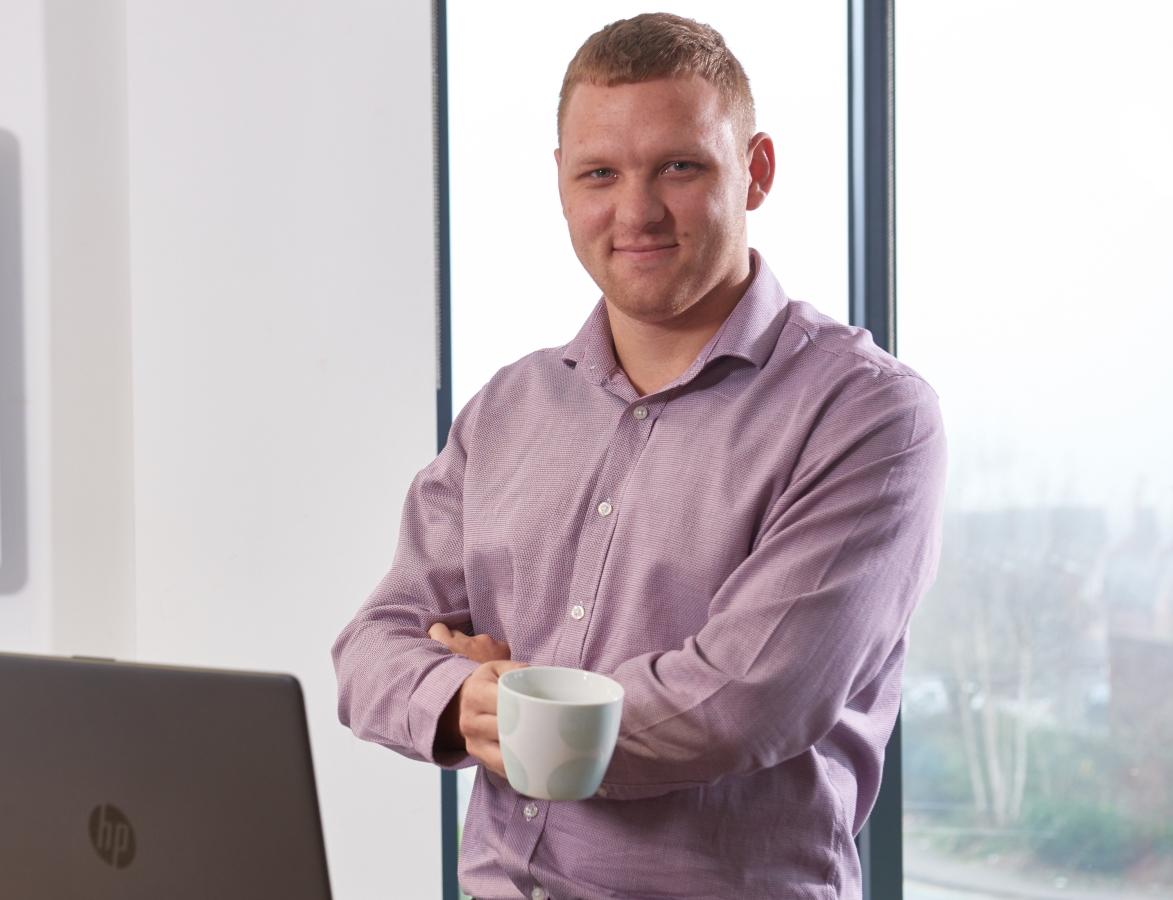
x,y
503,685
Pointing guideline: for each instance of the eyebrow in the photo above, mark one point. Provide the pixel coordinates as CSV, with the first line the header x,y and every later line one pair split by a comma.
x,y
598,162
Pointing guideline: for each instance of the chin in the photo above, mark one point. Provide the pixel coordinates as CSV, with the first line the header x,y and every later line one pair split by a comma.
x,y
650,311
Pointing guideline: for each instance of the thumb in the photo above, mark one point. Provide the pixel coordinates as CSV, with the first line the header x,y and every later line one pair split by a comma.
x,y
440,632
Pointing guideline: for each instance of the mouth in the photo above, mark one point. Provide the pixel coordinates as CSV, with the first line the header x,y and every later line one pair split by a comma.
x,y
637,252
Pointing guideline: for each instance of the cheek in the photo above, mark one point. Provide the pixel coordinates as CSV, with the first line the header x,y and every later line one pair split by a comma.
x,y
706,217
587,220
726,212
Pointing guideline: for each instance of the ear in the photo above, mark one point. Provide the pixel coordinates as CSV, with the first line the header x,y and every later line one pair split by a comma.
x,y
761,169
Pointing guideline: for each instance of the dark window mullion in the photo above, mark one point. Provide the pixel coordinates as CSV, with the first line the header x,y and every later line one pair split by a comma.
x,y
872,260
448,788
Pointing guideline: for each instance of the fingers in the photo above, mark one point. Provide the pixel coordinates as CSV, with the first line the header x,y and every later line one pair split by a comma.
x,y
478,726
453,640
483,648
499,667
478,699
478,712
480,688
479,648
489,753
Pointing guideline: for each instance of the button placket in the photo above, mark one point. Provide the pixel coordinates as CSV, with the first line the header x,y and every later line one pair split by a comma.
x,y
525,831
626,445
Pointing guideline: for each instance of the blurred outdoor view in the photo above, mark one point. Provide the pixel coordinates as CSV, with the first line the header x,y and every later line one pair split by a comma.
x,y
1035,292
1035,288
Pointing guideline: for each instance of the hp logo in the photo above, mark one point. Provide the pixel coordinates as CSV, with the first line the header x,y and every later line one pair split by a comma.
x,y
112,835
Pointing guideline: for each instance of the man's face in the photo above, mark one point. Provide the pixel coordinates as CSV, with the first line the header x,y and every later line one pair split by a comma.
x,y
655,181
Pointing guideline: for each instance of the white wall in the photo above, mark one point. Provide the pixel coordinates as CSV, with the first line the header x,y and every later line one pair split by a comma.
x,y
25,611
230,338
91,479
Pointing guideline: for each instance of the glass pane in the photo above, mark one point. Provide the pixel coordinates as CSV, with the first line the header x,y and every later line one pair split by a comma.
x,y
516,284
1036,294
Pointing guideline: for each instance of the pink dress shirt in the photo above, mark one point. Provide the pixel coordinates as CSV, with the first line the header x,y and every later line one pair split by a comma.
x,y
742,550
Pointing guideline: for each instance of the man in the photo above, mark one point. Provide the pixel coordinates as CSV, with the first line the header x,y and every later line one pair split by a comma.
x,y
719,497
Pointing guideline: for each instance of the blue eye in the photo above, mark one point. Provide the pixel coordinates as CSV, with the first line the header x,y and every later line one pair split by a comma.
x,y
679,166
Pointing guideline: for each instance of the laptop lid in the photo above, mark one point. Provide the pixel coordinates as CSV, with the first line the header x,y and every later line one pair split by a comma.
x,y
141,782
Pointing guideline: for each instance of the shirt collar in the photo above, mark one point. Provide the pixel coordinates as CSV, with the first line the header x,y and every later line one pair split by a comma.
x,y
750,332
592,352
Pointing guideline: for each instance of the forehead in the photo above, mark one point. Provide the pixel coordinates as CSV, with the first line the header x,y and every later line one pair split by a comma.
x,y
678,111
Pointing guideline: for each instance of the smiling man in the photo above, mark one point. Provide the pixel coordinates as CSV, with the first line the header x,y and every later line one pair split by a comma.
x,y
718,496
655,178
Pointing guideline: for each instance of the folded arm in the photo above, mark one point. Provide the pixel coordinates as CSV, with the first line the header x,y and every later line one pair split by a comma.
x,y
394,680
809,618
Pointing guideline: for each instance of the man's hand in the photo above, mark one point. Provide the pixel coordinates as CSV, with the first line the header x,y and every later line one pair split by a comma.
x,y
479,648
470,720
471,716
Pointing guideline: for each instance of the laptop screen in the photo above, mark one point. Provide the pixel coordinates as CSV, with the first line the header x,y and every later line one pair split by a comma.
x,y
140,782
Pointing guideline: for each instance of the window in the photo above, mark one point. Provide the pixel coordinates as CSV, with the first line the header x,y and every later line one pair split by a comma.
x,y
516,284
1033,146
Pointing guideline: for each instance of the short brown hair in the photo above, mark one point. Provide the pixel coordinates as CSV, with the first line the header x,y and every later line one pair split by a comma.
x,y
660,45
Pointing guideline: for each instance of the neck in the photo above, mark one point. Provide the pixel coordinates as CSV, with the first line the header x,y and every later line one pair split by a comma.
x,y
654,354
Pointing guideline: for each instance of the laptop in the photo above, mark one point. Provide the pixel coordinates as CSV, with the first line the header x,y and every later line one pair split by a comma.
x,y
148,782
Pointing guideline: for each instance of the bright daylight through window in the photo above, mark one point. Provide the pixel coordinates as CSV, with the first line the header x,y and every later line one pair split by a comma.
x,y
1033,147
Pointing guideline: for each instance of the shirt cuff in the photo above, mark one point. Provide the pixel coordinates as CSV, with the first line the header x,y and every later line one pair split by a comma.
x,y
427,704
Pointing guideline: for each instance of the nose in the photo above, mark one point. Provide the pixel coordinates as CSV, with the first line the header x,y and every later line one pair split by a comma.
x,y
639,205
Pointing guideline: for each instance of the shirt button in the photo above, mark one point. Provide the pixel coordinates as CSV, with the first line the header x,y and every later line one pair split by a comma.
x,y
577,612
538,894
531,810
640,412
605,508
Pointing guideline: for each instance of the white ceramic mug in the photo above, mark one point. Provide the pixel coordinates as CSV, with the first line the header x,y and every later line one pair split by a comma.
x,y
558,729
